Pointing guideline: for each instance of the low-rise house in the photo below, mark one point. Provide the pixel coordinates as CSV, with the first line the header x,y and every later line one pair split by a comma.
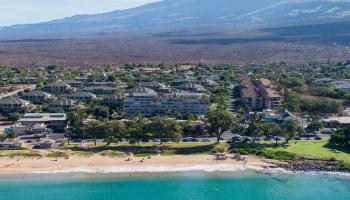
x,y
85,97
82,79
191,87
74,83
341,120
37,96
58,88
109,84
100,89
55,121
66,105
277,117
159,87
39,128
13,104
10,145
344,85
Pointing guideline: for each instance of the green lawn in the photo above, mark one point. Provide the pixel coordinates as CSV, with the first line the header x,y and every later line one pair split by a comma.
x,y
317,149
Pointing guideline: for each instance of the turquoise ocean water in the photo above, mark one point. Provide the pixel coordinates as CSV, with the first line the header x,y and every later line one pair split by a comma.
x,y
180,186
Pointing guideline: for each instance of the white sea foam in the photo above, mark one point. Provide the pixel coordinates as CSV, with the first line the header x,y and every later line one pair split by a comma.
x,y
187,168
153,169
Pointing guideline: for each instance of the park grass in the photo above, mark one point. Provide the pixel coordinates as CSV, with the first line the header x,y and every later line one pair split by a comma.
x,y
150,148
317,149
57,154
21,153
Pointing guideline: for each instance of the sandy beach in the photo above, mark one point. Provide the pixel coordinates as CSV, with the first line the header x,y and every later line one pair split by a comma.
x,y
102,164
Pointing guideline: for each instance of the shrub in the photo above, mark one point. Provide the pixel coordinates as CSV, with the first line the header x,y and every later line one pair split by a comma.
x,y
279,155
112,154
220,148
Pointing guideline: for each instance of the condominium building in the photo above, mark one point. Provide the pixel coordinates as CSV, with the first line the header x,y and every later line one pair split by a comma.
x,y
260,94
147,102
185,103
141,100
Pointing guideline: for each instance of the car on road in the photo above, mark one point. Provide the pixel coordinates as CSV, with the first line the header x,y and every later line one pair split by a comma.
x,y
190,139
237,138
206,140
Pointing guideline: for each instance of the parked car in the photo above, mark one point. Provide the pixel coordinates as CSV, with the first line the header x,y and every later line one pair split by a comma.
x,y
156,140
190,139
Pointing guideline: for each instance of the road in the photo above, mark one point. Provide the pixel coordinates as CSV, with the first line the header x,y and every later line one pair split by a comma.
x,y
13,93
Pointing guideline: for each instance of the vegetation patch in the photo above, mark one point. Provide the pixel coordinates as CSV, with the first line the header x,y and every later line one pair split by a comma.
x,y
112,154
82,153
57,154
24,154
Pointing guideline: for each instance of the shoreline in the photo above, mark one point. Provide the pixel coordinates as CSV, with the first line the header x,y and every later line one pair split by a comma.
x,y
155,165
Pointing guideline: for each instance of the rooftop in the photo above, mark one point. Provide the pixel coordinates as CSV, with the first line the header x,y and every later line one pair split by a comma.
x,y
82,95
13,100
43,117
37,93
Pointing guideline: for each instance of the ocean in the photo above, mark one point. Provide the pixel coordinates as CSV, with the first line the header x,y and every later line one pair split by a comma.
x,y
174,186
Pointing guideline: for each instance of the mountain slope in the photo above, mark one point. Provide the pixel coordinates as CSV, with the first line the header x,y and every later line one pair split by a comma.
x,y
184,14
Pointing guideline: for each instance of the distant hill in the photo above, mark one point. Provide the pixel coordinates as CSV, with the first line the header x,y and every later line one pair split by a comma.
x,y
207,31
190,14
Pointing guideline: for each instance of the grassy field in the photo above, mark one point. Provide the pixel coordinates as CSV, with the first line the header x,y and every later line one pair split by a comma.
x,y
317,149
150,148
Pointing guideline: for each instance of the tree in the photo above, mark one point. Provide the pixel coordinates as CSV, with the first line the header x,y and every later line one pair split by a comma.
x,y
76,121
97,130
13,117
117,132
291,101
272,128
100,112
220,121
8,135
254,128
315,125
341,137
137,131
291,128
165,129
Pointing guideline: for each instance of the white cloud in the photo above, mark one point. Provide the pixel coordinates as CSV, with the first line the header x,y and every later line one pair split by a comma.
x,y
33,11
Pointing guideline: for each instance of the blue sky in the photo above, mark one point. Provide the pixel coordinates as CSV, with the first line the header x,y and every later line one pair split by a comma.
x,y
33,11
